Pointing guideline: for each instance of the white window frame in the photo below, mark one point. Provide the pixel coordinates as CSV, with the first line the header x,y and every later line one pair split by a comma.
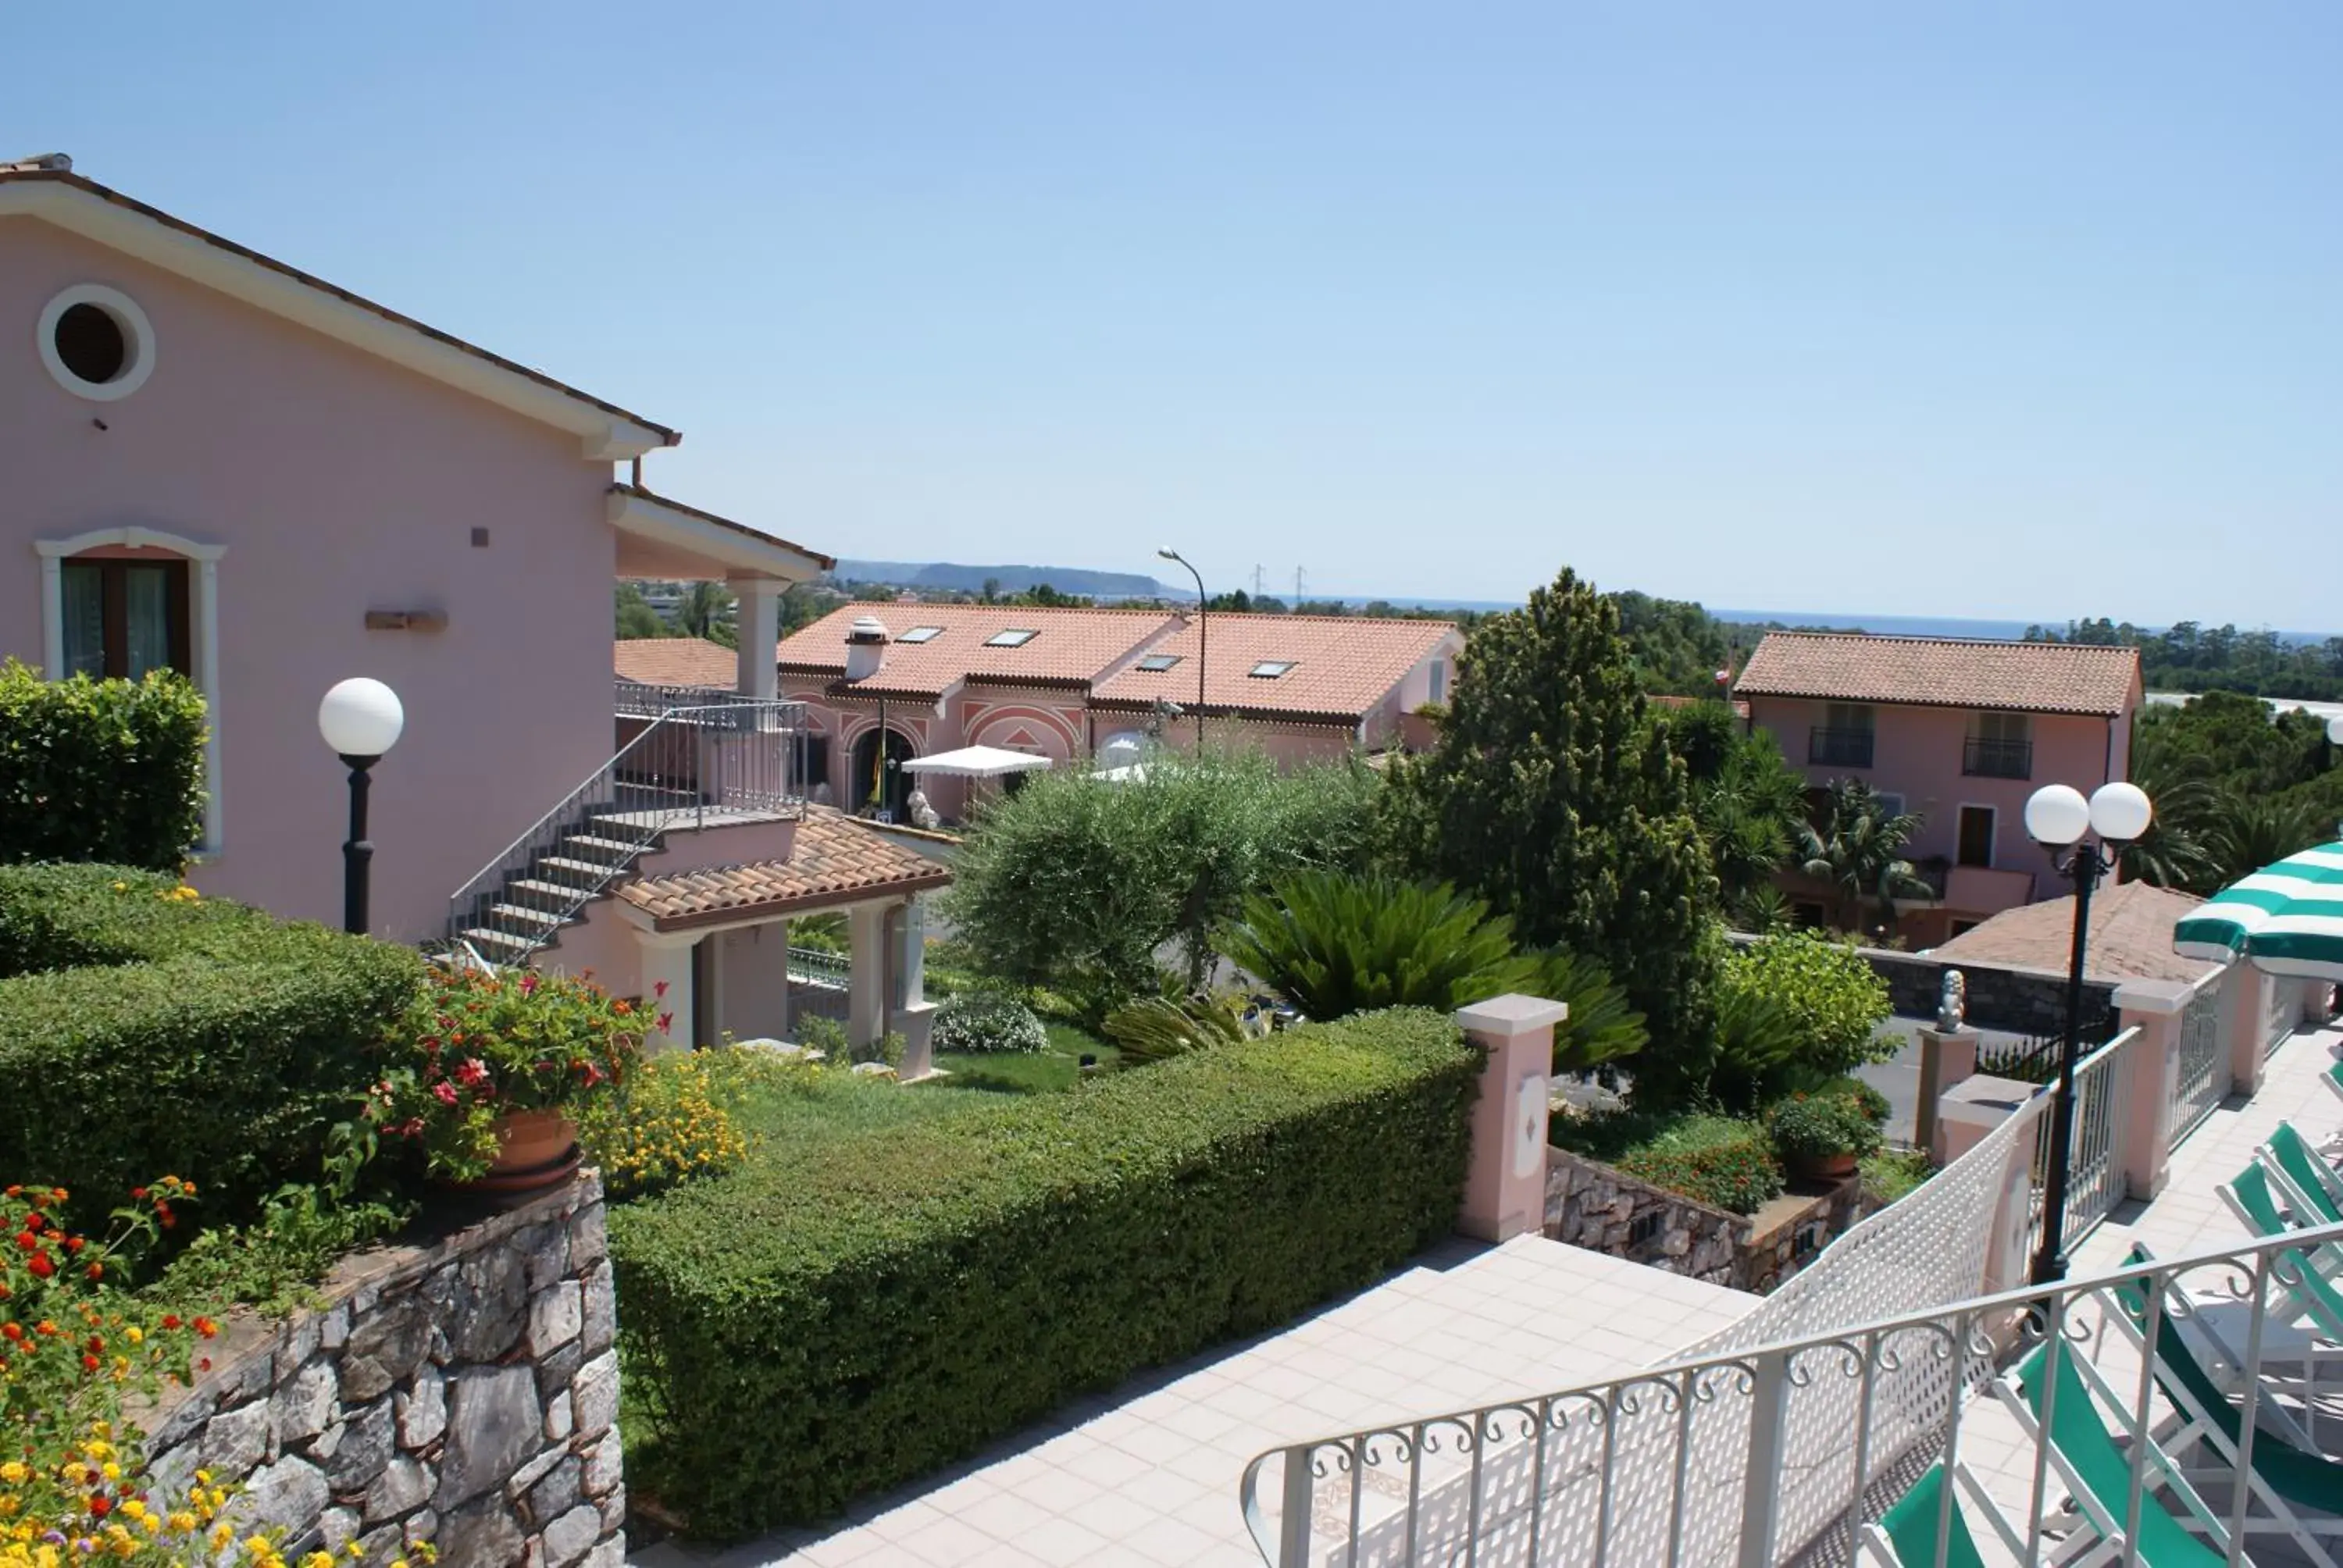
x,y
1012,637
137,335
1272,669
202,633
920,634
1157,663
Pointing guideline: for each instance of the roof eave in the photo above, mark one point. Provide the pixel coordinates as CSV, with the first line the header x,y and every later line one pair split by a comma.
x,y
739,550
606,432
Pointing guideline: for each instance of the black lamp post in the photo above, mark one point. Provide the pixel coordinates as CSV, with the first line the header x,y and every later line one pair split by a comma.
x,y
2059,819
1176,556
360,719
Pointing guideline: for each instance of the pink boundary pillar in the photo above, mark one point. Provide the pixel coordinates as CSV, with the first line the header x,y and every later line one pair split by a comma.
x,y
2248,1005
1504,1185
2148,1080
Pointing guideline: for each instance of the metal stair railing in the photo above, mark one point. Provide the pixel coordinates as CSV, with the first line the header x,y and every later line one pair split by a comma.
x,y
740,758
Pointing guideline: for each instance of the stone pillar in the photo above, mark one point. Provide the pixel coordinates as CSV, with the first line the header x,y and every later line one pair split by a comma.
x,y
2246,1004
1973,1108
784,1023
2147,1079
910,953
759,626
1946,1057
1504,1185
866,978
666,989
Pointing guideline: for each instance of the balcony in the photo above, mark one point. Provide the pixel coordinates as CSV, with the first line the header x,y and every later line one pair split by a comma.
x,y
1985,759
1979,890
1830,748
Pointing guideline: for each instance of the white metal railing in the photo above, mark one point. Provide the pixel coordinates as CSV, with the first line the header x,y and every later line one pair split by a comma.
x,y
2204,1055
741,756
2095,1161
2285,1007
1705,1462
1432,1491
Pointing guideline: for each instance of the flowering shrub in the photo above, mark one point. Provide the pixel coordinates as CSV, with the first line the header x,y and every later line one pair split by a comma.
x,y
1719,1161
477,1046
988,1021
1822,1127
677,1117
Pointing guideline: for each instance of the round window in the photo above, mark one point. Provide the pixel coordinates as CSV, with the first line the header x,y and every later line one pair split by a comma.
x,y
97,343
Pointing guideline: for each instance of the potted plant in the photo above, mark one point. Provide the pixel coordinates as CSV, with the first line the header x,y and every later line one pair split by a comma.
x,y
489,1069
1820,1136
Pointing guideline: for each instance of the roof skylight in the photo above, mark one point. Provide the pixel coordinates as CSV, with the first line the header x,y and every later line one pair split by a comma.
x,y
921,634
1158,661
1017,637
1270,669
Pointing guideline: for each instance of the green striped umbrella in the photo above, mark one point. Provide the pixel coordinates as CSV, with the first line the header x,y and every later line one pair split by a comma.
x,y
2288,917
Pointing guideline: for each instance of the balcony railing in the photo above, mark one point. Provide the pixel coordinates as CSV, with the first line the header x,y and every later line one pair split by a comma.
x,y
1831,748
1990,759
642,699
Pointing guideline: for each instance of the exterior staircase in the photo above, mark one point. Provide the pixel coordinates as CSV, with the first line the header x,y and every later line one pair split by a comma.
x,y
723,759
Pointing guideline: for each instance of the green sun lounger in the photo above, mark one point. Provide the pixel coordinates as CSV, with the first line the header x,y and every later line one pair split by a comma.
x,y
1907,1534
2306,1176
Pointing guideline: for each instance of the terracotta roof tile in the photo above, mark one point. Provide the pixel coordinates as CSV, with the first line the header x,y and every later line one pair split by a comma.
x,y
678,661
1069,645
1944,673
2131,936
1341,666
834,860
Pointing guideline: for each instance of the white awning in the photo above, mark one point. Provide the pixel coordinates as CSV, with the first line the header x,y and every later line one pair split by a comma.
x,y
977,762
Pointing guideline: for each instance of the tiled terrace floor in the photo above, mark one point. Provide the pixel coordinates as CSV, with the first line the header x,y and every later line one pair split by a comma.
x,y
1149,1475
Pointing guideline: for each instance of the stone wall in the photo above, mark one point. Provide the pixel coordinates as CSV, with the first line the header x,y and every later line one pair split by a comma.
x,y
1786,1235
463,1389
1596,1206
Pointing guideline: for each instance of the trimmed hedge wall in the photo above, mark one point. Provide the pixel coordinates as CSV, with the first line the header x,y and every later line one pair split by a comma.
x,y
103,771
141,1035
837,1318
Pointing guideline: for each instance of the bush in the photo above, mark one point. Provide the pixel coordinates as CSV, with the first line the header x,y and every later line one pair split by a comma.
x,y
1894,1174
677,1116
100,770
126,1002
840,1315
1831,996
1808,1126
1720,1160
987,1021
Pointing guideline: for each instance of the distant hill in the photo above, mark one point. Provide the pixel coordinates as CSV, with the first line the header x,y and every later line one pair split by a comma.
x,y
1008,579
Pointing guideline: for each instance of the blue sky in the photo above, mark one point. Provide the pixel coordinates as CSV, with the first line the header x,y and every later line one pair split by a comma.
x,y
1997,310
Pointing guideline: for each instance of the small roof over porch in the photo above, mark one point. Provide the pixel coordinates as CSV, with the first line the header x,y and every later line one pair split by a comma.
x,y
836,861
658,538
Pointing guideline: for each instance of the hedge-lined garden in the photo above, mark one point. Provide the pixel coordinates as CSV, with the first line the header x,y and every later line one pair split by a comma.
x,y
144,1029
104,770
844,1314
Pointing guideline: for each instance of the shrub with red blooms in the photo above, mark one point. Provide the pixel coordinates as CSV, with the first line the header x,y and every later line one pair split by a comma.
x,y
476,1046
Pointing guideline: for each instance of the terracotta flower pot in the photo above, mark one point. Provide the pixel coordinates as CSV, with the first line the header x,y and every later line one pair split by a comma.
x,y
1825,1167
535,1148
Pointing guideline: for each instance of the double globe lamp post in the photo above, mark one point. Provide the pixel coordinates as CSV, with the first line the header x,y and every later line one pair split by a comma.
x,y
2062,821
360,719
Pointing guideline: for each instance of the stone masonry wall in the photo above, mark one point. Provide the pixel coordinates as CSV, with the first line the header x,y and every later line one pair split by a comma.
x,y
1592,1205
464,1391
1793,1235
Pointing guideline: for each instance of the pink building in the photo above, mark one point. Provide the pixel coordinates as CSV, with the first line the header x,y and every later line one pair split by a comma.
x,y
1958,732
221,465
1066,683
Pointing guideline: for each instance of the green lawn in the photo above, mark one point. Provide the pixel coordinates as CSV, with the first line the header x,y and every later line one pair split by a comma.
x,y
1043,1073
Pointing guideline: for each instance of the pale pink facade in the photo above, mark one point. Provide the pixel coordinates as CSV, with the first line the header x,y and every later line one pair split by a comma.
x,y
313,460
1922,757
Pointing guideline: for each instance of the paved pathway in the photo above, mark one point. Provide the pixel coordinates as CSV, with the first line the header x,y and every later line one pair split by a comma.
x,y
1149,1475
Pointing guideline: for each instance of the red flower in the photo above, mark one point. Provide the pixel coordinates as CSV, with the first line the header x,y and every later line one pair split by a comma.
x,y
14,1331
171,1319
444,1091
205,1327
98,1506
74,1243
97,1271
659,990
41,1266
665,1021
473,1073
26,1239
89,1364
139,1193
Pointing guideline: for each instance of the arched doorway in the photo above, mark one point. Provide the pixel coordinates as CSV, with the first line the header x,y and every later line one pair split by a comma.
x,y
863,783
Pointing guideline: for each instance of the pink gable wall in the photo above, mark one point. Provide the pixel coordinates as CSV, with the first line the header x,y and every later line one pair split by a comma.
x,y
339,483
1917,752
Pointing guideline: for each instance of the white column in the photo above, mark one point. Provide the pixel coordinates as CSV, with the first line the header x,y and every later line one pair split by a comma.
x,y
911,952
866,997
666,989
759,624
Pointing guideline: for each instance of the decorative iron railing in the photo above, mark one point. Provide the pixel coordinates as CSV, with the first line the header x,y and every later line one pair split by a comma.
x,y
2204,1050
1640,1469
1996,759
740,759
2095,1162
645,700
1831,748
1793,1449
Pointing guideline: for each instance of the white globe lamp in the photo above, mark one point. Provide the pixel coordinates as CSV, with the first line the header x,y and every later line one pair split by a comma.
x,y
2120,812
360,719
2057,815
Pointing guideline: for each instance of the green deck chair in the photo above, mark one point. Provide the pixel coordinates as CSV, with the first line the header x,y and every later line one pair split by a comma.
x,y
2091,1461
2283,1463
2333,1078
2250,1197
1905,1536
2306,1175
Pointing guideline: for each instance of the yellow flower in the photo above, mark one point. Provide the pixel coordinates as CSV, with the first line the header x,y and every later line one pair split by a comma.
x,y
14,1474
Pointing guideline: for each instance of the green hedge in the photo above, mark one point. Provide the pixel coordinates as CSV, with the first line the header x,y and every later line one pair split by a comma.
x,y
141,1035
838,1317
102,770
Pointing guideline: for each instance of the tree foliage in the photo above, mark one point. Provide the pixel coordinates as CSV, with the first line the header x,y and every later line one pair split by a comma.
x,y
1076,883
1550,795
2236,786
1856,844
2192,657
1750,804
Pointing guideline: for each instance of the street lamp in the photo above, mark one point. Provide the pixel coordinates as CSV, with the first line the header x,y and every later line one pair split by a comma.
x,y
2059,818
1169,554
360,719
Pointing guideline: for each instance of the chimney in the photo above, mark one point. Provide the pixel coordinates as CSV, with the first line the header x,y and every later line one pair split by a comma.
x,y
38,163
866,647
